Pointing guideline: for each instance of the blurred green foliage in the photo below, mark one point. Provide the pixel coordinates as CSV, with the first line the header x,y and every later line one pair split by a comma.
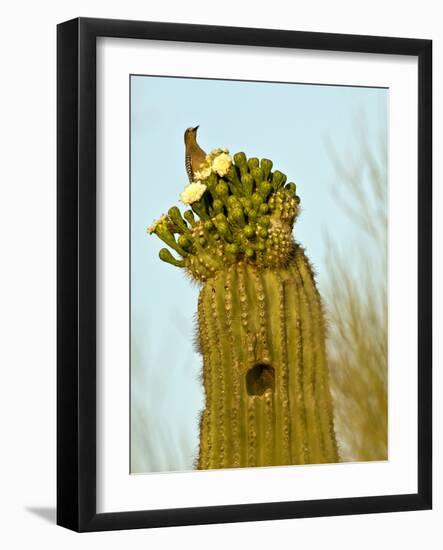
x,y
356,300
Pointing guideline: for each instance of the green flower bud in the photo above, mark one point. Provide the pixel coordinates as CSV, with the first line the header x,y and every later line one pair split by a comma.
x,y
225,231
264,189
246,203
211,182
240,161
266,166
177,220
222,189
189,217
247,184
163,232
222,225
253,163
238,217
239,158
257,174
278,179
233,202
199,208
256,199
185,242
167,257
248,231
260,246
217,206
264,221
262,232
291,188
252,214
232,248
234,181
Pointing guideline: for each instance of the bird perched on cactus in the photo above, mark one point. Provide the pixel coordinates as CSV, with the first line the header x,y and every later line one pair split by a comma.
x,y
194,154
261,327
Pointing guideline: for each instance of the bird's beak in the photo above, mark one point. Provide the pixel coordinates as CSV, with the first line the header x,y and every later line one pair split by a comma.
x,y
196,128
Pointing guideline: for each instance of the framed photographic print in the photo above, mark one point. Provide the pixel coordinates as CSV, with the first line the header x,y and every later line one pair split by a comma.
x,y
244,274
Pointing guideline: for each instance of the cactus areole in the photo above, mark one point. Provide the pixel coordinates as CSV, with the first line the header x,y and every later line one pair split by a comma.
x,y
261,328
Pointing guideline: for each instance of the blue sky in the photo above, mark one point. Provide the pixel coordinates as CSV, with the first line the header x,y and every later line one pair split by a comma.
x,y
288,123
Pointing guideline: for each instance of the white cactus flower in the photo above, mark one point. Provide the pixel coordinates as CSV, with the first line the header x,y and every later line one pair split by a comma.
x,y
221,164
203,173
215,152
192,192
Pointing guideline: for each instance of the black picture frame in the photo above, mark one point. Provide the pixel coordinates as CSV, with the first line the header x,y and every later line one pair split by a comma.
x,y
76,279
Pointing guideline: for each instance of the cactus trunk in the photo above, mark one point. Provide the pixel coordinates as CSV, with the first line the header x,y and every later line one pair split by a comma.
x,y
262,337
261,328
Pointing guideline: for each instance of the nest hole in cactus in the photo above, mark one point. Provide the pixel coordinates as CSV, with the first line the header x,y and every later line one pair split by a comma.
x,y
260,378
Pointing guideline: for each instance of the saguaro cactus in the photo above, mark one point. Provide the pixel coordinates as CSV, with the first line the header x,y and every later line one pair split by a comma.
x,y
261,327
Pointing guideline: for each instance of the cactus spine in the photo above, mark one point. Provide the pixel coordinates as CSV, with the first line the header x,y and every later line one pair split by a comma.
x,y
261,327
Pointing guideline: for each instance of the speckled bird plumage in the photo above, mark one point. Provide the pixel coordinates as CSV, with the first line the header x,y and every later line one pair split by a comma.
x,y
194,154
